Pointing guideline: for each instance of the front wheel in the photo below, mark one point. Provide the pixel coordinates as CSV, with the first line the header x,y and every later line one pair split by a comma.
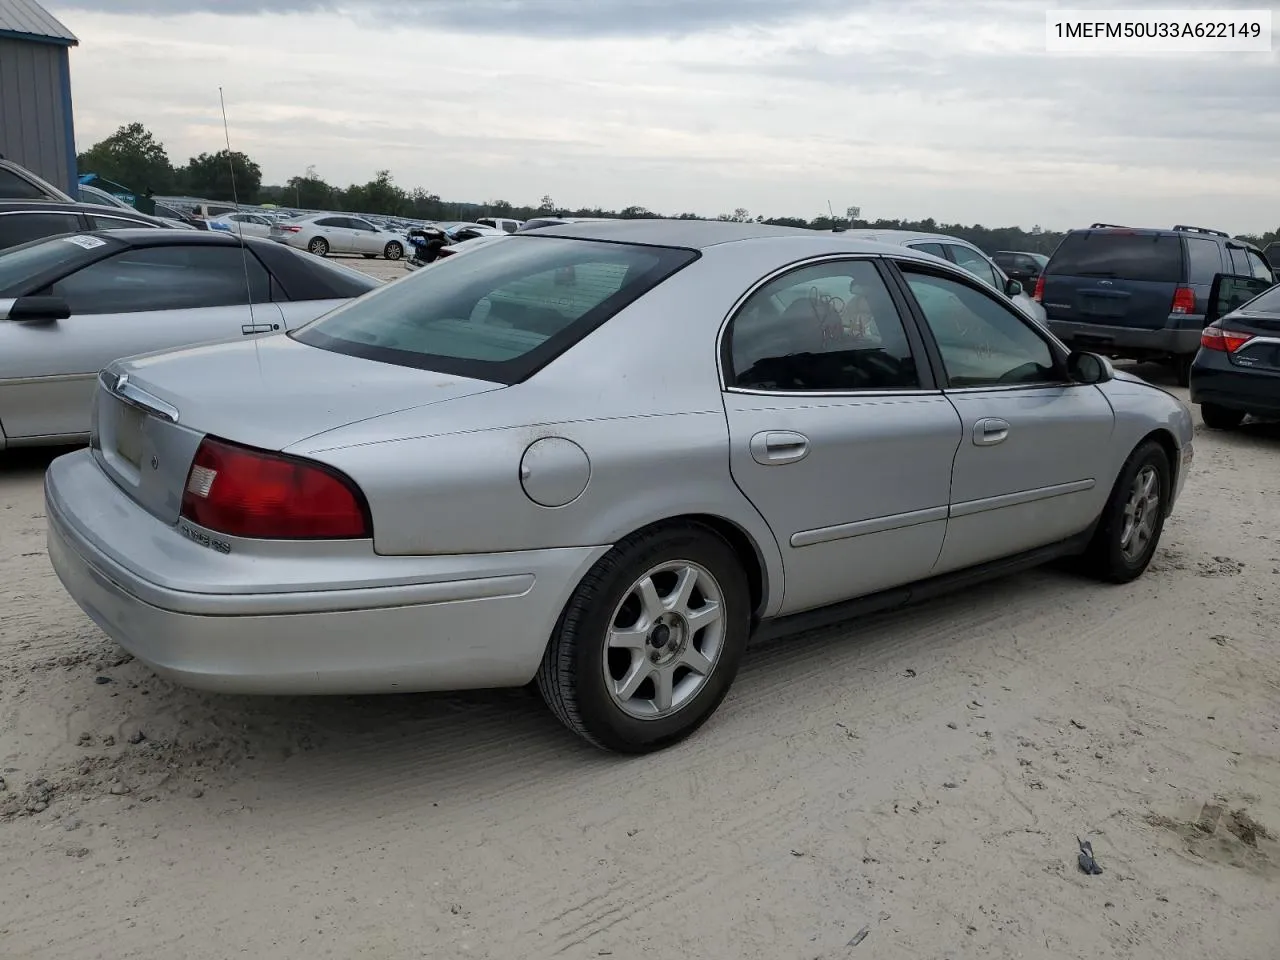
x,y
1220,418
1133,519
650,641
393,251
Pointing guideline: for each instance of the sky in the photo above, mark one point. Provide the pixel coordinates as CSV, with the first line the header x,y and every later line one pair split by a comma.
x,y
905,108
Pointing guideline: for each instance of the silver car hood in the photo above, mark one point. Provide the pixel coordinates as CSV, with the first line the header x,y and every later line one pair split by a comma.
x,y
272,391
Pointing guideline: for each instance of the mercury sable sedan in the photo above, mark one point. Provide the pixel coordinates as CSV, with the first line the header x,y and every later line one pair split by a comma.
x,y
598,457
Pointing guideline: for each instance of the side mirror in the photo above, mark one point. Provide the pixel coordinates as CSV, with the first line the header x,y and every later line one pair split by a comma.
x,y
35,309
1012,288
1230,291
1091,368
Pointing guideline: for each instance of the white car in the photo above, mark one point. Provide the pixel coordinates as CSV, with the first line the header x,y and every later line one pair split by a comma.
x,y
965,255
340,233
242,224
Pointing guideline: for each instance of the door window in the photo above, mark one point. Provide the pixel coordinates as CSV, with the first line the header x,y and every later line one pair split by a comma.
x,y
1258,267
166,278
116,223
982,342
16,228
975,263
1239,262
831,326
14,187
331,222
354,224
933,248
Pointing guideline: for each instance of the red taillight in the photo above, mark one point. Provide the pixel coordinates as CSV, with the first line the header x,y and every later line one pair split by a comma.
x,y
291,229
1224,341
244,492
1184,301
1039,291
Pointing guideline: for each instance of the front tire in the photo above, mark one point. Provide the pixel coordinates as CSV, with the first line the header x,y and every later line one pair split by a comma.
x,y
393,251
319,246
649,644
1133,519
1220,418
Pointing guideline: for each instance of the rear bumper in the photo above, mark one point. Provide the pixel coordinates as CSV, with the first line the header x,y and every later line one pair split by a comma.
x,y
1128,341
1215,380
459,622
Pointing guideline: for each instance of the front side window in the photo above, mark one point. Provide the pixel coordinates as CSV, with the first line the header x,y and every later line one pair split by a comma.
x,y
365,225
165,278
975,263
499,313
17,228
831,326
982,342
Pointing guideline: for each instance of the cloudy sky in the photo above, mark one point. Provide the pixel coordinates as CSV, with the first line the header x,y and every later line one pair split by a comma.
x,y
906,108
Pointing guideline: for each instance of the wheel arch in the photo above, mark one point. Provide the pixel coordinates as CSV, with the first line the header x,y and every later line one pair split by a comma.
x,y
1165,440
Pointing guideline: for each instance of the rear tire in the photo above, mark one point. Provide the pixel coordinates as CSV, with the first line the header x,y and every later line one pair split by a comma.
x,y
671,602
1220,418
319,246
1131,523
1182,370
393,251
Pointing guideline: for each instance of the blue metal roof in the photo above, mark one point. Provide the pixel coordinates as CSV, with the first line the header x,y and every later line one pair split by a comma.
x,y
27,20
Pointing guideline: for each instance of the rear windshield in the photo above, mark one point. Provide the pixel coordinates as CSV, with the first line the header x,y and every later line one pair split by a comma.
x,y
1268,301
1151,257
501,312
20,265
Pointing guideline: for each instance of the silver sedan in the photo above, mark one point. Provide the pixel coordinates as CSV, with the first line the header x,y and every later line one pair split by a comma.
x,y
599,457
71,304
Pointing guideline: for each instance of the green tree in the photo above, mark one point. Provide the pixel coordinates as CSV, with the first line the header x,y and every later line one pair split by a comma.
x,y
308,191
132,157
209,176
379,195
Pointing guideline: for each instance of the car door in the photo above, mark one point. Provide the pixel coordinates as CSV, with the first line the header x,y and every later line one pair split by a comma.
x,y
838,434
135,302
336,233
1031,468
365,237
20,227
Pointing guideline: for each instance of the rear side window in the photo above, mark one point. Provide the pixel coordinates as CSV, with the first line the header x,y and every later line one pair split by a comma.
x,y
1151,257
117,223
14,187
17,228
499,313
165,278
931,248
1203,260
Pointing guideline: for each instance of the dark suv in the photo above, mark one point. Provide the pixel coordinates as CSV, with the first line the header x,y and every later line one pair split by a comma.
x,y
1137,293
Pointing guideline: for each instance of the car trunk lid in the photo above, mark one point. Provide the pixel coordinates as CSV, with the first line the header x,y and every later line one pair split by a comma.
x,y
150,413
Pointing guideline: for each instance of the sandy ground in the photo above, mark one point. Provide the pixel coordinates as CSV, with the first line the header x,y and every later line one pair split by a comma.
x,y
907,787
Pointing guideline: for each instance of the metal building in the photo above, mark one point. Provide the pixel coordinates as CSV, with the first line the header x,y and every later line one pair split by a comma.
x,y
36,128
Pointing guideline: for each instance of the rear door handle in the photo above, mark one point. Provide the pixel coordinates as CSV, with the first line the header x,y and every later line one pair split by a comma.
x,y
990,431
250,329
773,447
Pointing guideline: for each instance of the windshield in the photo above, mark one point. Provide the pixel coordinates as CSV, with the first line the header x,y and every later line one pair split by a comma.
x,y
499,313
1119,255
21,264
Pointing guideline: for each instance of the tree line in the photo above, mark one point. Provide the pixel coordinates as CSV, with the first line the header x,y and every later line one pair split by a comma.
x,y
133,157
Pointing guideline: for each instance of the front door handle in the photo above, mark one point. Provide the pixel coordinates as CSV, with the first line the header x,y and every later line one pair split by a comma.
x,y
251,329
773,447
990,431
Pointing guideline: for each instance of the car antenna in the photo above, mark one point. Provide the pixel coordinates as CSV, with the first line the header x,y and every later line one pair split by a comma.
x,y
239,234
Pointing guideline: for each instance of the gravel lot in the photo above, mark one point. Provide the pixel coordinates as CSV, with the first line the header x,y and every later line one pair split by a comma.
x,y
908,787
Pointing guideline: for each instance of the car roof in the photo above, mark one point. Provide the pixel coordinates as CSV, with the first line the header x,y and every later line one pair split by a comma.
x,y
902,236
61,206
690,234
